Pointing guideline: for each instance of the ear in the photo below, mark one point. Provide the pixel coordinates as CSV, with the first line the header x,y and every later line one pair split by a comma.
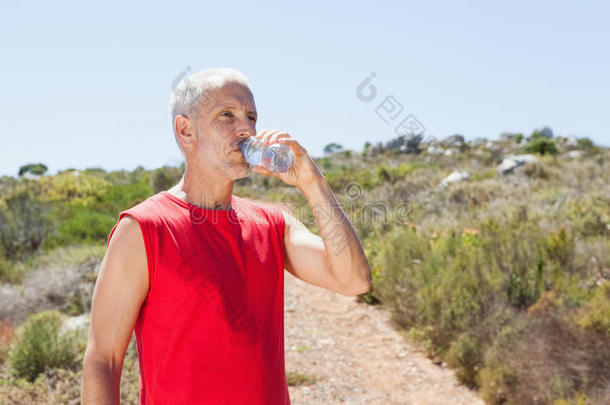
x,y
186,132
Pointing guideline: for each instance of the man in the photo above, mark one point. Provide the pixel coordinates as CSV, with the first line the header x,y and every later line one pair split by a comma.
x,y
198,272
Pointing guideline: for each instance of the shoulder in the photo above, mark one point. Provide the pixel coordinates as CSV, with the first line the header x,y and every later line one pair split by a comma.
x,y
127,230
138,221
274,212
148,212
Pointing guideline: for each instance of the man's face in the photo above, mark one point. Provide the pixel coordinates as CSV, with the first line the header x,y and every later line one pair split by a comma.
x,y
227,116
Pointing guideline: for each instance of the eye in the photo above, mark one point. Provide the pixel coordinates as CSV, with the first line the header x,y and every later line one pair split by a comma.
x,y
253,118
226,114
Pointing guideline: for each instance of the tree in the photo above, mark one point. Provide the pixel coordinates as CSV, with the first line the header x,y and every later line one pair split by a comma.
x,y
332,148
33,168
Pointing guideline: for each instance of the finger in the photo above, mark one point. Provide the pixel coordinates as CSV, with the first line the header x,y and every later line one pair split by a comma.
x,y
267,136
288,141
276,136
261,134
264,171
293,144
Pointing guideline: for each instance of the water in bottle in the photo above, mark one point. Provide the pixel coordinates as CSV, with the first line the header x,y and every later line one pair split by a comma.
x,y
276,157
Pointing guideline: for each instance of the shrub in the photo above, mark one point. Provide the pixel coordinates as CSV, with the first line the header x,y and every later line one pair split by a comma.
x,y
332,148
9,272
24,225
579,399
595,315
41,345
164,178
33,168
537,170
75,187
83,213
541,145
466,356
81,224
585,143
589,216
543,358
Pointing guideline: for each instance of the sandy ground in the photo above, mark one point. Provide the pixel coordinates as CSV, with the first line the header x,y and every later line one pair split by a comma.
x,y
356,356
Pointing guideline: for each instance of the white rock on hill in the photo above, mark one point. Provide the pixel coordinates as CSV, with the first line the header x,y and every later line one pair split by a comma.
x,y
76,322
512,161
574,154
435,150
454,177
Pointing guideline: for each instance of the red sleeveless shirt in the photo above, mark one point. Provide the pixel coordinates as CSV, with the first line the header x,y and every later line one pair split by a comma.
x,y
211,329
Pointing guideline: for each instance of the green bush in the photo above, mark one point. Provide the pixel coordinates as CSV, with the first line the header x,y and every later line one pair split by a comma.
x,y
24,225
81,224
41,345
543,358
596,314
332,147
164,178
589,215
585,143
83,213
34,168
437,284
466,356
74,187
541,145
579,399
8,272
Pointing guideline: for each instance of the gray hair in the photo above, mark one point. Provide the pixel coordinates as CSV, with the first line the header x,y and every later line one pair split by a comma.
x,y
191,92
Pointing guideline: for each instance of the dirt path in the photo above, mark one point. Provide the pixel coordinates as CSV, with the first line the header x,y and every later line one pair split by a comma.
x,y
356,356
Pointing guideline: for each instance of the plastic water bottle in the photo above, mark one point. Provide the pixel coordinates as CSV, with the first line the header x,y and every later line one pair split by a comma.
x,y
276,157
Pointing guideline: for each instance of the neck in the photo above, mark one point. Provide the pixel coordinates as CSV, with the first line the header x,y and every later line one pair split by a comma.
x,y
203,190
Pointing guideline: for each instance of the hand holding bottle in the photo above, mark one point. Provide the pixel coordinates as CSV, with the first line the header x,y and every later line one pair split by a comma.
x,y
302,173
276,158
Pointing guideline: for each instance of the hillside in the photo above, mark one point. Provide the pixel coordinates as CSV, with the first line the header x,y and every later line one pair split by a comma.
x,y
492,257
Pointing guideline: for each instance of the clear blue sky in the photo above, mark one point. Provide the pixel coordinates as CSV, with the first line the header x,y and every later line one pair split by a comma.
x,y
87,85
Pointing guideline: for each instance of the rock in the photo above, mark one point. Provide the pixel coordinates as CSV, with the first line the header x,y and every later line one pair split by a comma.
x,y
30,176
454,177
453,140
574,154
449,152
511,162
571,141
76,322
434,150
405,143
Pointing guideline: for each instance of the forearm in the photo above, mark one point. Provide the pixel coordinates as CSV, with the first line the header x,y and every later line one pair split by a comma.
x,y
101,383
345,256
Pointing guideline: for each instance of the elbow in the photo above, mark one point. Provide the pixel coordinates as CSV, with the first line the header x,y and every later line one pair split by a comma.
x,y
357,289
363,285
363,289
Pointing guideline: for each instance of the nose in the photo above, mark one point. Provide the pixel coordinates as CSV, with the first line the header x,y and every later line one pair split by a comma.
x,y
246,130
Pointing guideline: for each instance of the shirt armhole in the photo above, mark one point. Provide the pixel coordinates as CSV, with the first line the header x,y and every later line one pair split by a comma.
x,y
147,246
280,225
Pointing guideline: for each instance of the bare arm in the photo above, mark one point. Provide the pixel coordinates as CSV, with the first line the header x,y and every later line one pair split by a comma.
x,y
336,260
120,289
